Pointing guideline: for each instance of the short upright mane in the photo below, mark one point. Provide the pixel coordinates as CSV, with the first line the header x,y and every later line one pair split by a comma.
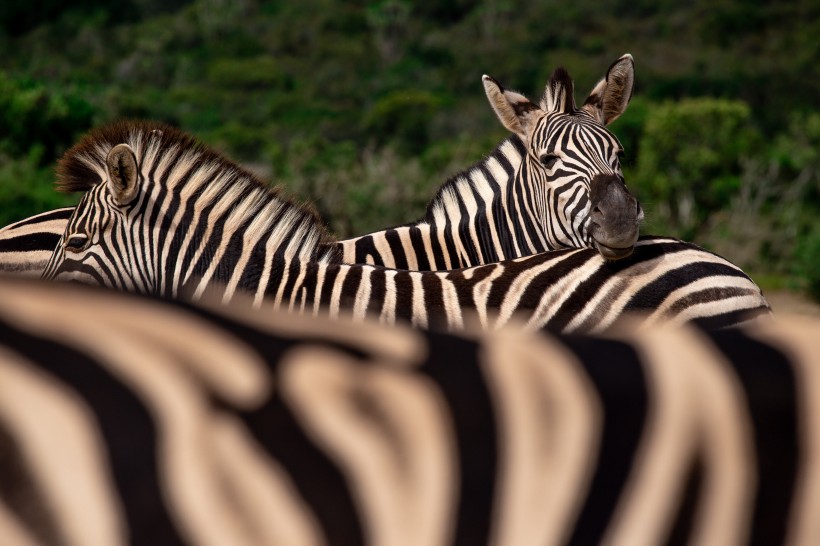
x,y
156,144
447,194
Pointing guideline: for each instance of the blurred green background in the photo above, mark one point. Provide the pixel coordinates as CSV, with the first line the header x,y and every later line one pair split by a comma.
x,y
364,108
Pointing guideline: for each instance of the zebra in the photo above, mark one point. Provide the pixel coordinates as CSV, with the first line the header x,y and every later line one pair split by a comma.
x,y
486,214
555,183
126,419
162,214
26,245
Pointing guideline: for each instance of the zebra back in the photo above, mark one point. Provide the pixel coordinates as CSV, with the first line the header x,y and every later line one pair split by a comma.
x,y
127,419
27,245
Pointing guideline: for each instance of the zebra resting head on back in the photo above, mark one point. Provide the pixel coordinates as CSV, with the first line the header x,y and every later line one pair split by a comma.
x,y
555,183
163,215
569,190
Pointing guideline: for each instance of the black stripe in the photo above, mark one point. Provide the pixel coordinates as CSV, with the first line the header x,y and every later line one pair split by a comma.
x,y
350,286
404,295
434,301
396,248
417,241
365,247
730,318
331,272
624,399
452,367
128,429
378,290
770,385
652,295
30,242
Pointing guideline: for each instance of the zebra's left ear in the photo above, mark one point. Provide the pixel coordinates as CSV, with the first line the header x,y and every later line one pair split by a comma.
x,y
123,174
611,95
515,111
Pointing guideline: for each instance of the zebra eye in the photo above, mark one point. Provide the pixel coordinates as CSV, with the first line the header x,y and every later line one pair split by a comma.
x,y
548,160
77,243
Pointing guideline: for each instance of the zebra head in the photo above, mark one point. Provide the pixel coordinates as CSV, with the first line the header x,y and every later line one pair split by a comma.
x,y
569,190
90,250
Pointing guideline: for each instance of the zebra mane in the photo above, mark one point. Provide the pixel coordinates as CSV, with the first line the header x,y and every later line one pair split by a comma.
x,y
465,182
192,168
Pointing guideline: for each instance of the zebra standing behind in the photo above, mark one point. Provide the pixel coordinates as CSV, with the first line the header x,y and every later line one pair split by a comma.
x,y
555,183
164,215
127,420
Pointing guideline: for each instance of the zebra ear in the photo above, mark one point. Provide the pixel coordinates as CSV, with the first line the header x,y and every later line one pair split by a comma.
x,y
123,174
559,95
609,98
515,111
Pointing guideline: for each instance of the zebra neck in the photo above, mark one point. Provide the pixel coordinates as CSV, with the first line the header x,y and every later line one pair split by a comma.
x,y
521,221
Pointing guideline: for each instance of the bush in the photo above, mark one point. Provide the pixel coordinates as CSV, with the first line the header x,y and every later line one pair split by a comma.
x,y
26,188
402,116
807,262
690,160
33,114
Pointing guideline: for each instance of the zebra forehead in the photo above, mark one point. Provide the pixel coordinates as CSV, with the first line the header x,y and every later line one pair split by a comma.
x,y
580,123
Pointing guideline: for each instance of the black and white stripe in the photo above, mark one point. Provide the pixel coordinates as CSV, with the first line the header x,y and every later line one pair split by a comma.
x,y
27,245
127,420
163,215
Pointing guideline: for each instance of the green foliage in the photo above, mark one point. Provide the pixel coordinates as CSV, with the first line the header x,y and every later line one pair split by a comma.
x,y
807,262
253,73
689,161
33,114
27,188
402,116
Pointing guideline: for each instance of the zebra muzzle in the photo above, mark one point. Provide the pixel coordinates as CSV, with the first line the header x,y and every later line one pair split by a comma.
x,y
615,217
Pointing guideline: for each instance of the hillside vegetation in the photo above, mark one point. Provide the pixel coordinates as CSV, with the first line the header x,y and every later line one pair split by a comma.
x,y
364,108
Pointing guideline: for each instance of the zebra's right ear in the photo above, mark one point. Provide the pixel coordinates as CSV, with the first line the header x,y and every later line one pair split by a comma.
x,y
123,174
515,111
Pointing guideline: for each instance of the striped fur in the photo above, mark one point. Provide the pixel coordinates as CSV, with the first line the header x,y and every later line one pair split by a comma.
x,y
199,221
512,204
27,245
131,420
505,206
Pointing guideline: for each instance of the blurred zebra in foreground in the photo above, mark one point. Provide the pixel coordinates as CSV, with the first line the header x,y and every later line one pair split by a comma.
x,y
520,200
126,419
164,215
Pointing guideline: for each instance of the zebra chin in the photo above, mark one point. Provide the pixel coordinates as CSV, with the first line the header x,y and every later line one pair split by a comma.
x,y
613,253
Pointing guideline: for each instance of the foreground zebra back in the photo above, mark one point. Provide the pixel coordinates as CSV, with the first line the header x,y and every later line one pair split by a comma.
x,y
164,215
128,420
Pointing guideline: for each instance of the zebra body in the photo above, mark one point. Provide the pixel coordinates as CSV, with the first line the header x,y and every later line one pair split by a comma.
x,y
159,422
27,245
165,216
